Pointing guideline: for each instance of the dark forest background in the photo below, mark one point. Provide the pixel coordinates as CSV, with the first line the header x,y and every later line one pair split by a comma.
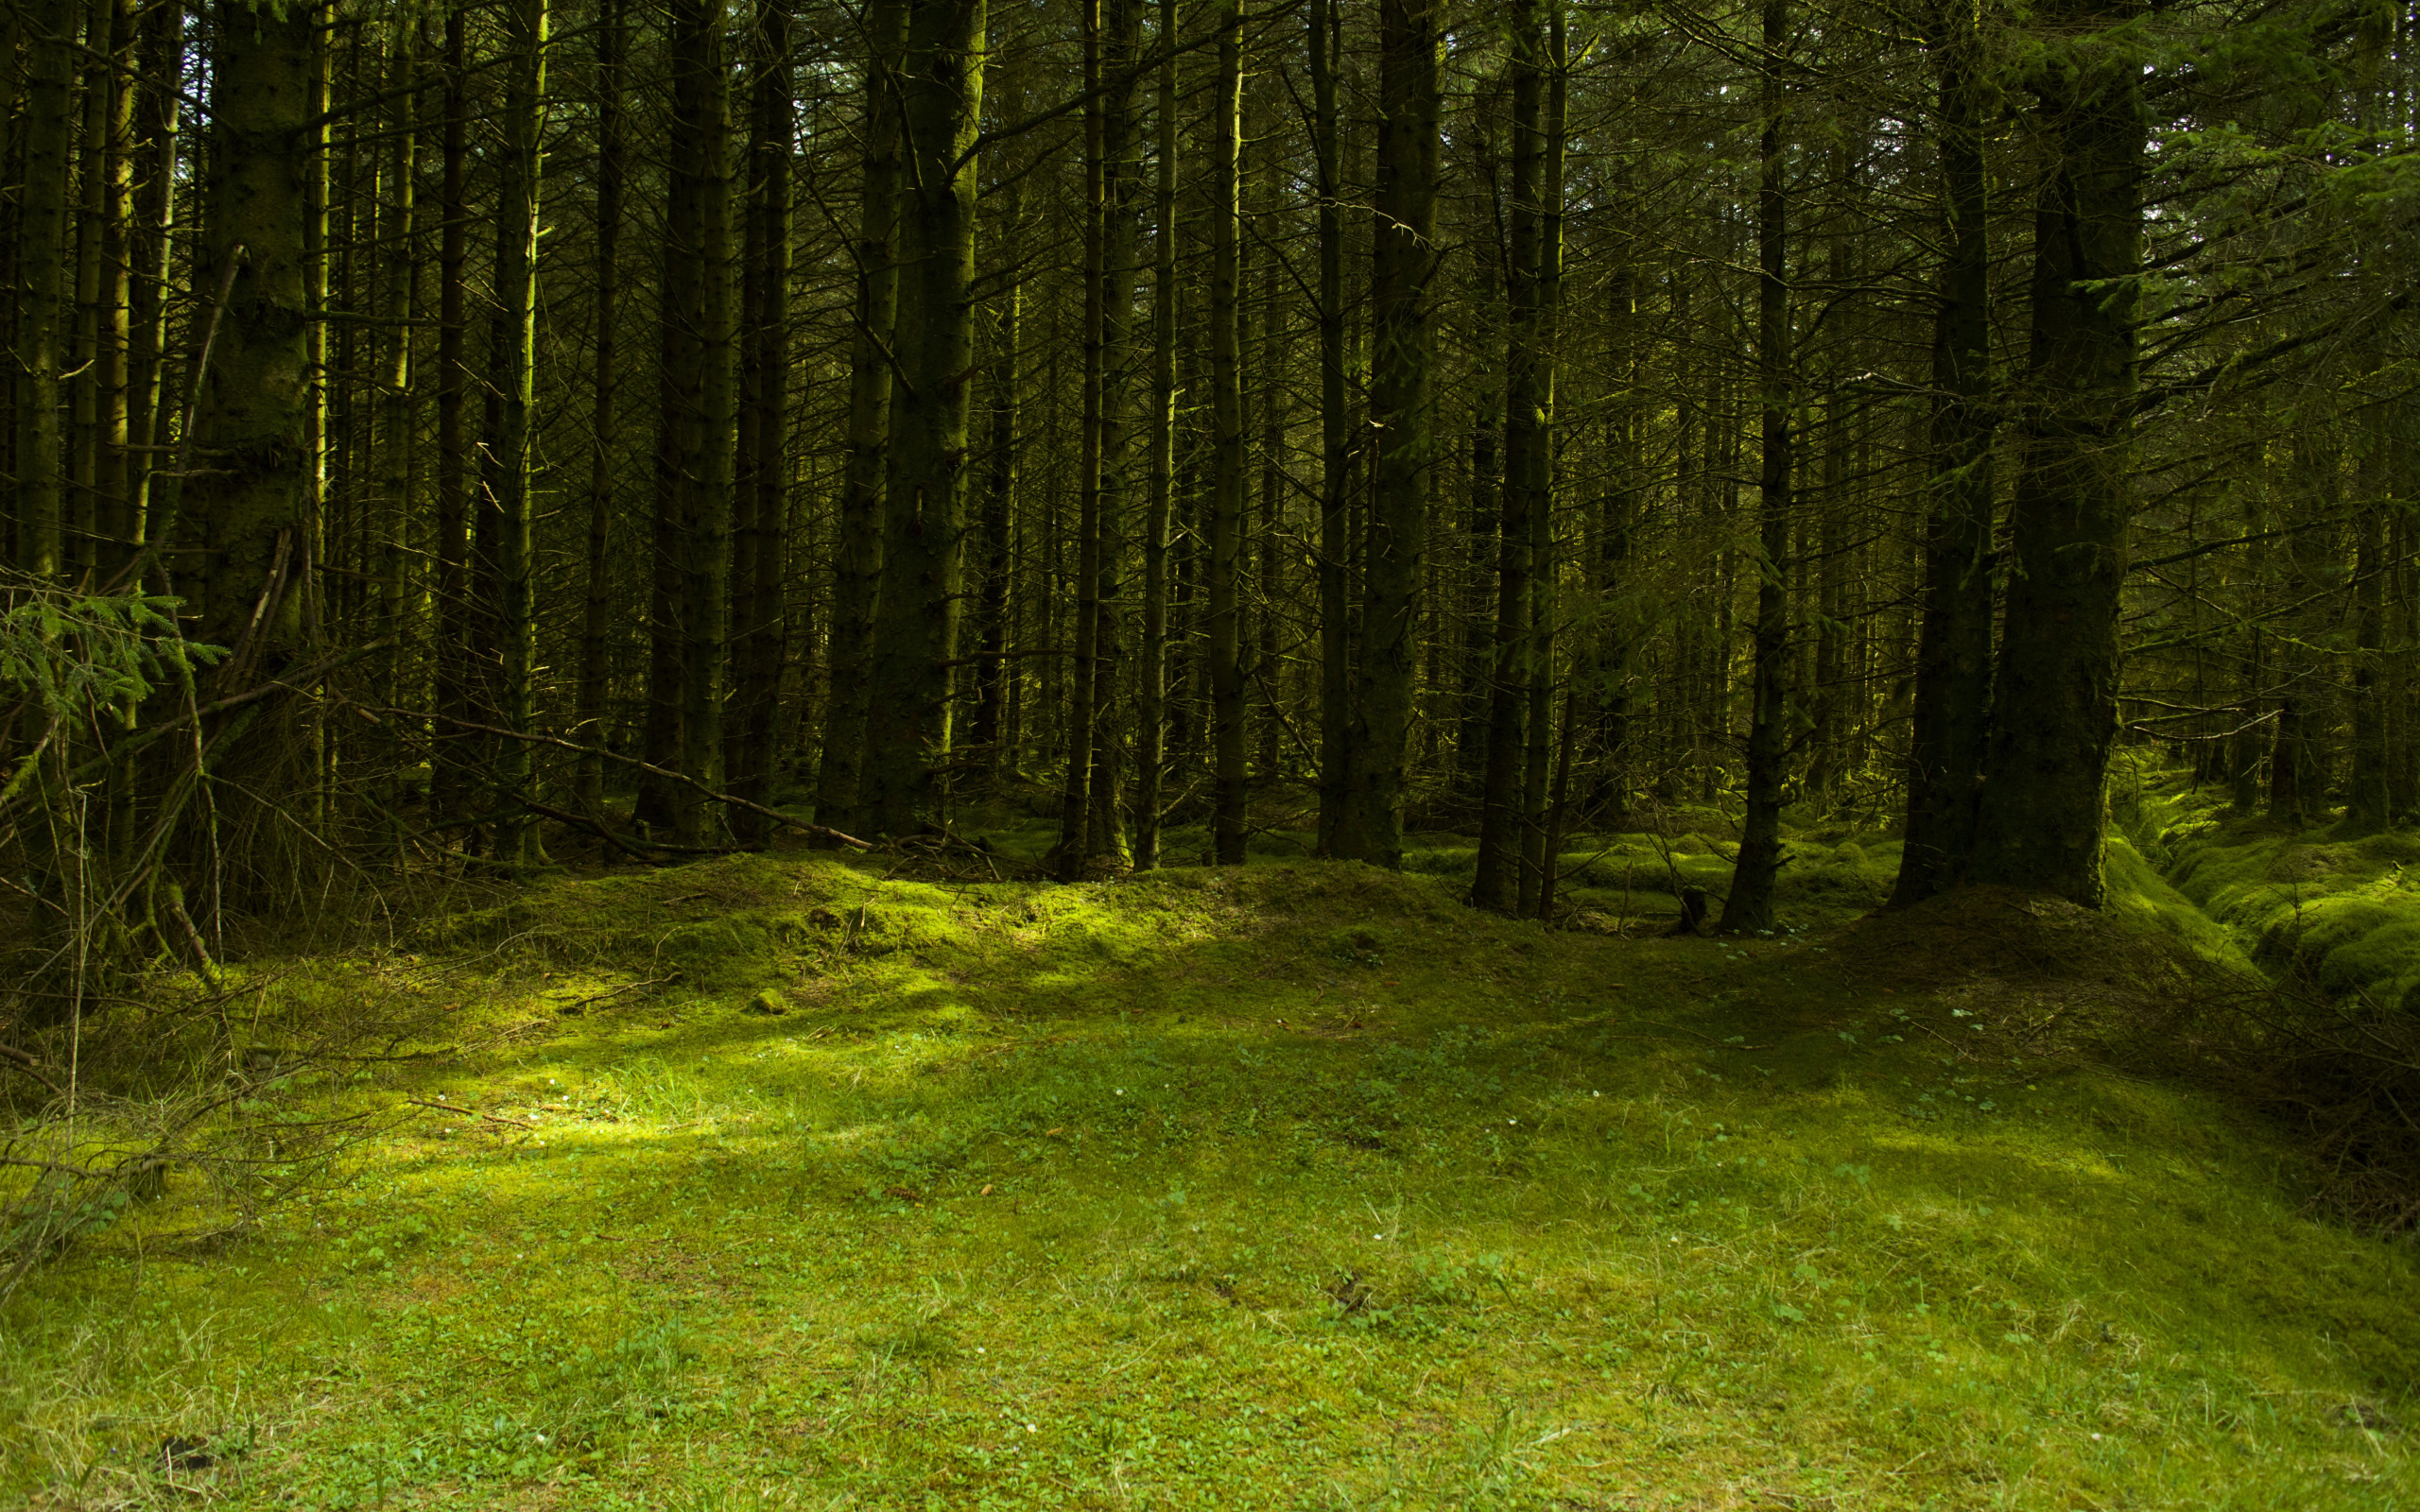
x,y
452,439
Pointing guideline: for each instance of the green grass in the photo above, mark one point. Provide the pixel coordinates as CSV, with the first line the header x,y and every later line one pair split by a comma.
x,y
1296,1186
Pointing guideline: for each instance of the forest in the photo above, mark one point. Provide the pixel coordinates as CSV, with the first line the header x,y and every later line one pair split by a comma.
x,y
1102,597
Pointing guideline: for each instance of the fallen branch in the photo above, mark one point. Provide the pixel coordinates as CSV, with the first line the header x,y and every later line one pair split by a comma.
x,y
29,1066
731,799
471,1112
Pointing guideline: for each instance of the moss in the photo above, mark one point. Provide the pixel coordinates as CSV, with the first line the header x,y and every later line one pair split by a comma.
x,y
1138,1192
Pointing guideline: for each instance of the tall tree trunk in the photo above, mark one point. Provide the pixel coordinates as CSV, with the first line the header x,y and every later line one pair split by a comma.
x,y
597,598
396,439
757,619
989,725
940,102
1326,42
1105,826
1748,908
43,289
452,651
699,399
1227,452
1402,265
253,504
1501,881
1952,709
2054,712
856,556
159,120
513,370
1538,840
1151,671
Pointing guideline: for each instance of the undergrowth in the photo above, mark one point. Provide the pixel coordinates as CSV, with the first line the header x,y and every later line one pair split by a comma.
x,y
769,1181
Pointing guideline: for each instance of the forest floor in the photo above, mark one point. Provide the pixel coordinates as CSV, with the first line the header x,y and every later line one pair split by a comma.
x,y
770,1182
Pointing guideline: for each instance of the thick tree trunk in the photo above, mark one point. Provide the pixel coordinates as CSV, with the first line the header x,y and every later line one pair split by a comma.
x,y
1952,711
856,556
1404,265
2054,713
940,102
251,505
1749,907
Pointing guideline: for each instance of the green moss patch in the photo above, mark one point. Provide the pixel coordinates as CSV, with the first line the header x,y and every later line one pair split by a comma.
x,y
1284,1186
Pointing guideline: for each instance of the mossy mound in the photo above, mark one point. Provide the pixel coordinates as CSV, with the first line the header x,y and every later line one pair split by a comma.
x,y
2342,913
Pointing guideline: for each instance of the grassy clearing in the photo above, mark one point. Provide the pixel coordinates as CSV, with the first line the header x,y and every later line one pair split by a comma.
x,y
1293,1186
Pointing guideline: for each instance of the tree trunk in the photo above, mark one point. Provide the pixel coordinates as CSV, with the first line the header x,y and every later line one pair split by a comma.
x,y
2055,710
452,651
1326,42
1227,453
1748,908
597,599
43,316
512,372
757,619
252,503
1404,263
1945,746
856,556
1152,670
699,398
940,102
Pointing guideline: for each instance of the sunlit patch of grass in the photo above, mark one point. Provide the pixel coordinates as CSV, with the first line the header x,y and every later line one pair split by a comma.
x,y
1298,1186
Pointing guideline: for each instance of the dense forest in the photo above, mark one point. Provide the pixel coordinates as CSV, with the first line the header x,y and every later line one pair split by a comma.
x,y
641,646
441,438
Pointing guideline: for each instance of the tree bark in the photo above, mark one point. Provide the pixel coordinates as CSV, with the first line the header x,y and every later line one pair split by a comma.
x,y
856,558
1403,267
940,103
597,598
2054,711
1227,452
1951,716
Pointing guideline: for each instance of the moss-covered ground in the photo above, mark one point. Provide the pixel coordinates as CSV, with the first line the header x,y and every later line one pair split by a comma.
x,y
2336,902
769,1182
